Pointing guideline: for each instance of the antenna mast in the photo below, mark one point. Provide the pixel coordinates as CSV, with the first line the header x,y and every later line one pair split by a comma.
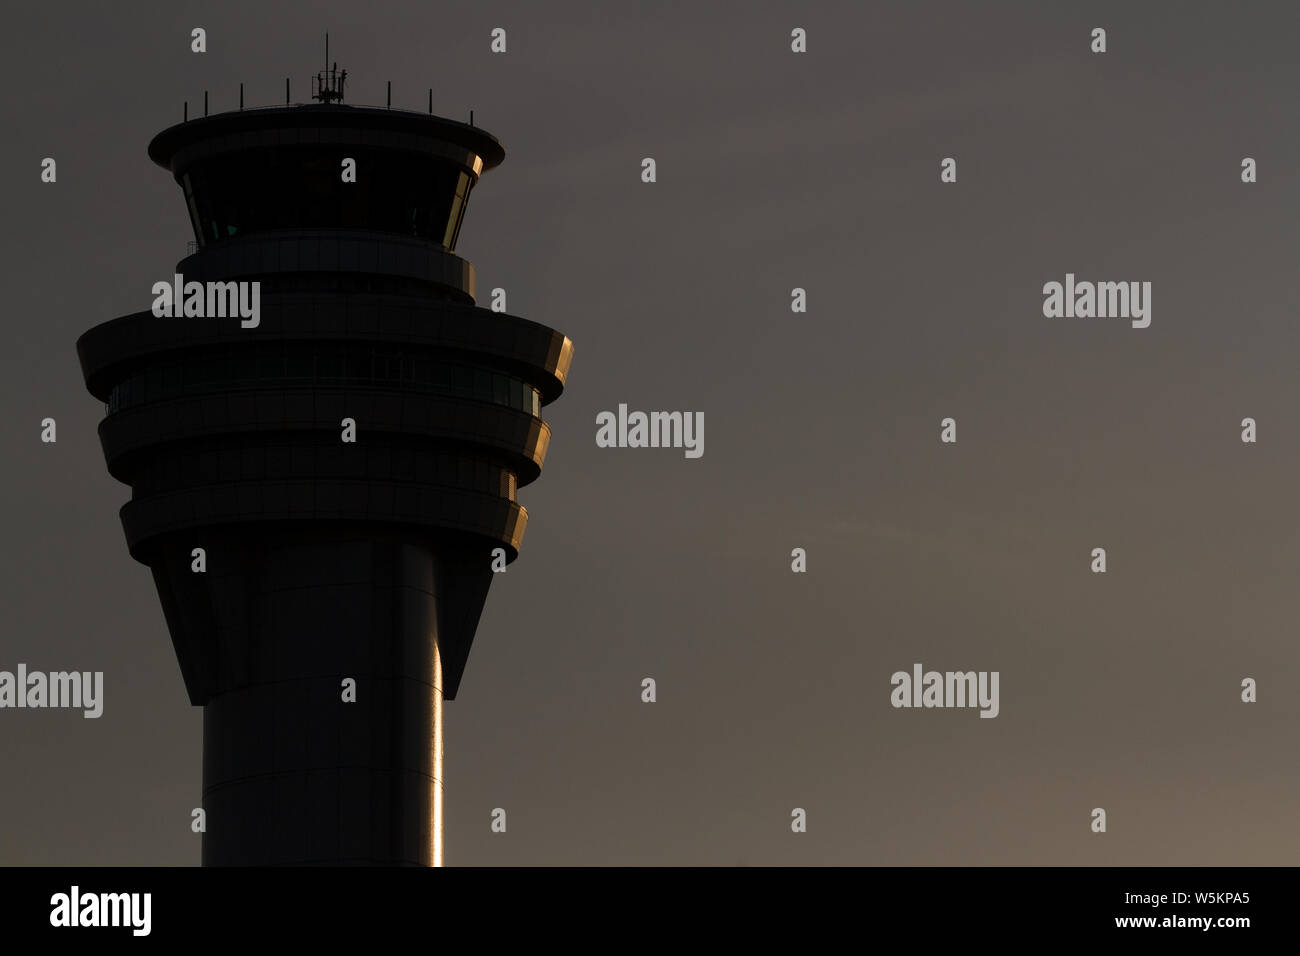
x,y
329,81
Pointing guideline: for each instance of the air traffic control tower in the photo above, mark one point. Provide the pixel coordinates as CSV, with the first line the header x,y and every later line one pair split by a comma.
x,y
324,562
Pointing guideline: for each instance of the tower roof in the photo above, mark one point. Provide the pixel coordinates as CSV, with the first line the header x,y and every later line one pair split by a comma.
x,y
297,121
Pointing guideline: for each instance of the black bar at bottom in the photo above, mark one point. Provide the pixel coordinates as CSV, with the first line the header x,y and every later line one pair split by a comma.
x,y
604,907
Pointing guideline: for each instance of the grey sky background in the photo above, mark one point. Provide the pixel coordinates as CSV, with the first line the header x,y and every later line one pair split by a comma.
x,y
775,170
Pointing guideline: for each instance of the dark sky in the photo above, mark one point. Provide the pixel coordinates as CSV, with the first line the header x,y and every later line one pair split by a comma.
x,y
775,170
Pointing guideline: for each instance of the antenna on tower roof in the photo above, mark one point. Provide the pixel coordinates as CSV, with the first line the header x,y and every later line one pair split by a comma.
x,y
329,81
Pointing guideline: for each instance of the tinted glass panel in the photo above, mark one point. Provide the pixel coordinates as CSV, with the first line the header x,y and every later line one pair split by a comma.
x,y
303,188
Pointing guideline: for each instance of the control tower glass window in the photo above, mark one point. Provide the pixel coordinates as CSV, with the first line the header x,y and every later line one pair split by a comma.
x,y
302,188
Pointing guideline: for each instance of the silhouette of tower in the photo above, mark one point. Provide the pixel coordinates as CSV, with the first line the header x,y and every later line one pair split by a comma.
x,y
326,560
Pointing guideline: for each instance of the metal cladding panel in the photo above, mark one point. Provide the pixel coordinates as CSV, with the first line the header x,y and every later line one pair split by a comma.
x,y
292,773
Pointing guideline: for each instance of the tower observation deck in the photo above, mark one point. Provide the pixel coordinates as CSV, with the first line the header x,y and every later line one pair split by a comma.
x,y
325,560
